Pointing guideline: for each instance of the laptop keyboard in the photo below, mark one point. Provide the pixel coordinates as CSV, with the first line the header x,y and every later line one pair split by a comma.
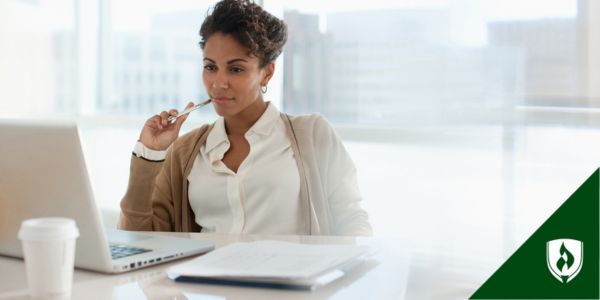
x,y
119,251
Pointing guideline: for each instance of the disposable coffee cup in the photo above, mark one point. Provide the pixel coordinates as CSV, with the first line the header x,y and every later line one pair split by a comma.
x,y
49,252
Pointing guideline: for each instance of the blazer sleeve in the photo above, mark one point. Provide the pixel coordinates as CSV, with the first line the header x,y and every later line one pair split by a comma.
x,y
148,204
340,182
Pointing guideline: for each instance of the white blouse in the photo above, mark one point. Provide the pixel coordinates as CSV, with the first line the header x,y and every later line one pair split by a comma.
x,y
263,197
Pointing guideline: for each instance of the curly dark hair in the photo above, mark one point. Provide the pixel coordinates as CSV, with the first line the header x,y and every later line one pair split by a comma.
x,y
261,32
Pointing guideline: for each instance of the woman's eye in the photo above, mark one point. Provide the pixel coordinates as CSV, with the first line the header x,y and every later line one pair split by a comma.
x,y
209,68
236,70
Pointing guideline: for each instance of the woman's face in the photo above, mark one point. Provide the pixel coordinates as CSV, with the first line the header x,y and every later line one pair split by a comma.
x,y
232,77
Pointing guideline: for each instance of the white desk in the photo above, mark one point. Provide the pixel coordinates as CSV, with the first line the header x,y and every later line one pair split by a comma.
x,y
392,274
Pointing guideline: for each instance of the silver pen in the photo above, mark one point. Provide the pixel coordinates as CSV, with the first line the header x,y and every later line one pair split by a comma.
x,y
172,119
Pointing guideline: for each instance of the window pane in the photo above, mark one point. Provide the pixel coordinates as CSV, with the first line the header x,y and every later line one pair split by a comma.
x,y
38,55
401,63
151,60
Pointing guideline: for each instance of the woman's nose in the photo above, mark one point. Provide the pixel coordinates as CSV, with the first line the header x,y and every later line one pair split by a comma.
x,y
221,81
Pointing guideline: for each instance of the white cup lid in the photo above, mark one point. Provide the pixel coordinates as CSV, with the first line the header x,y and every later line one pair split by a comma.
x,y
45,229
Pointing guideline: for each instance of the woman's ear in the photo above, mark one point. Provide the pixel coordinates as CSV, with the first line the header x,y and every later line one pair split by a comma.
x,y
269,70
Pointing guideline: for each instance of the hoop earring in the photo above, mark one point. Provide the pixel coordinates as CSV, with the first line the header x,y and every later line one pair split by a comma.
x,y
263,89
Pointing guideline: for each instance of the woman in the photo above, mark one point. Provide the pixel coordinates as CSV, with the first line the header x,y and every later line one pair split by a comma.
x,y
255,170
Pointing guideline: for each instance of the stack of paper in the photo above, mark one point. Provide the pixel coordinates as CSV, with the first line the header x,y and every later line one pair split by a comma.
x,y
271,264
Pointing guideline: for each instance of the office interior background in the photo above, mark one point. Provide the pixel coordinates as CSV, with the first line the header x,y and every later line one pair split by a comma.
x,y
468,120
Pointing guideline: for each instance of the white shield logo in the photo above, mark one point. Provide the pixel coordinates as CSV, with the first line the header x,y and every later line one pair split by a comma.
x,y
564,258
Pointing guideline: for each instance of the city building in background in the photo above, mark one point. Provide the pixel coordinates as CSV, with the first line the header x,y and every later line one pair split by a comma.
x,y
306,67
554,72
401,67
64,66
155,70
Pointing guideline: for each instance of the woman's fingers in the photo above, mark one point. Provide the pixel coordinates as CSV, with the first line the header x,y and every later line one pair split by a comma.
x,y
153,122
182,119
164,116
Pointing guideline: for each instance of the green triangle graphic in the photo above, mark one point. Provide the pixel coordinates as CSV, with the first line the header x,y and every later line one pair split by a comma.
x,y
527,275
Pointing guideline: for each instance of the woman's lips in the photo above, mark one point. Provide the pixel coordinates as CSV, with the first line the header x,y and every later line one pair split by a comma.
x,y
221,100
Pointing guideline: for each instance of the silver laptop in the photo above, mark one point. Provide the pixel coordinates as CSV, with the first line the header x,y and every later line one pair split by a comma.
x,y
43,174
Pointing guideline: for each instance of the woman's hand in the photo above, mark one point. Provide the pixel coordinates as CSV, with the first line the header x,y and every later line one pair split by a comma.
x,y
158,133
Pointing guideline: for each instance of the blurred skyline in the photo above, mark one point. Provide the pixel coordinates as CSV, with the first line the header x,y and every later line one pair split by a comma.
x,y
410,63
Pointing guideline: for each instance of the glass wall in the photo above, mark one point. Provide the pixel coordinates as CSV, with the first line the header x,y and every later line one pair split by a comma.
x,y
377,64
407,63
150,58
38,57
